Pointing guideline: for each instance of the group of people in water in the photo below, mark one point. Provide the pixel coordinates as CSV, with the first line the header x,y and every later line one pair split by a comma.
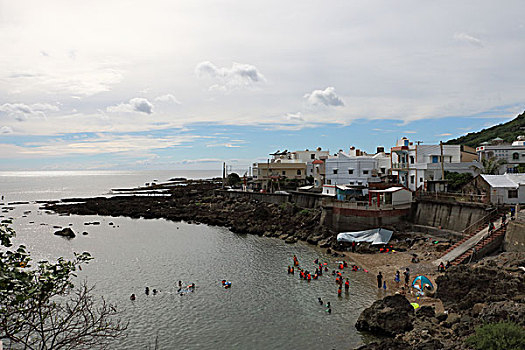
x,y
320,267
181,290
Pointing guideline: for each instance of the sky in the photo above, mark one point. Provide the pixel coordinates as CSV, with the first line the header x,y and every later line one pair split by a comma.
x,y
192,84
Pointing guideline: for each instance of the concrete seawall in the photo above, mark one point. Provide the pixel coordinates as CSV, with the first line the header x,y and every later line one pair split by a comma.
x,y
515,237
450,216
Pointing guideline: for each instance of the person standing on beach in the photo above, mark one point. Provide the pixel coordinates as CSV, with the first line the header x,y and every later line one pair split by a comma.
x,y
397,279
379,280
407,276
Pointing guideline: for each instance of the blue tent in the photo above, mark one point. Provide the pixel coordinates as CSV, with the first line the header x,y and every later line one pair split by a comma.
x,y
420,282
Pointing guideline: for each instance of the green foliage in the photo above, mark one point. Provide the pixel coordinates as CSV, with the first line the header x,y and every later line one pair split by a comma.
x,y
304,212
498,336
31,315
457,180
508,132
233,179
491,166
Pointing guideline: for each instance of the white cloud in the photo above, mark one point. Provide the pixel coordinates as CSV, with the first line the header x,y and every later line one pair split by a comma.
x,y
464,37
21,111
444,134
238,76
326,97
227,145
167,98
294,117
409,132
137,104
6,130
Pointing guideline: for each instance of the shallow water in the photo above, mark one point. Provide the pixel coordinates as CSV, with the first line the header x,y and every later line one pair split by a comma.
x,y
265,309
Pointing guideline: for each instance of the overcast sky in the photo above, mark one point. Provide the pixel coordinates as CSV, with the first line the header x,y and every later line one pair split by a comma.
x,y
189,84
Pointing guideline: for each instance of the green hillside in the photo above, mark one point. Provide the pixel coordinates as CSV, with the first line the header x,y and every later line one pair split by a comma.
x,y
507,131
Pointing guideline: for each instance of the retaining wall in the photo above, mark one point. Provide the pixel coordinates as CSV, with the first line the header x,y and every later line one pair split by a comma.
x,y
450,216
515,236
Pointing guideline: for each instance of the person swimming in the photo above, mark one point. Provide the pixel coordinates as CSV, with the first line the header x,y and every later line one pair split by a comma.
x,y
347,284
147,290
320,301
155,292
132,297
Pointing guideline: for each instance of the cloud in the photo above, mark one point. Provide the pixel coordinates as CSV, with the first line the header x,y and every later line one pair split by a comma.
x,y
21,111
326,97
294,117
409,132
445,134
227,145
238,76
137,104
468,39
202,160
6,130
167,98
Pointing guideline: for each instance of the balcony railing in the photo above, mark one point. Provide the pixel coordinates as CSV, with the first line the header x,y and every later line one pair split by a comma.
x,y
399,166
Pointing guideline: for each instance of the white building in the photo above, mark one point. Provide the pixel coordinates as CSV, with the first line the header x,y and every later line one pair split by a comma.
x,y
513,154
414,165
506,188
356,168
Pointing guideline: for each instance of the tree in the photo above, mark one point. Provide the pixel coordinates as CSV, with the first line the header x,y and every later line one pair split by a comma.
x,y
233,179
40,308
457,180
490,166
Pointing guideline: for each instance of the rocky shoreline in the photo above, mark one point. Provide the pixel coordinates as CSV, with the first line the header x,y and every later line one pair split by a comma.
x,y
468,295
490,291
197,202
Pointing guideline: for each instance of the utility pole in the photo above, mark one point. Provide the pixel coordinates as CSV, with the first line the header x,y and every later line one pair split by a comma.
x,y
442,160
223,173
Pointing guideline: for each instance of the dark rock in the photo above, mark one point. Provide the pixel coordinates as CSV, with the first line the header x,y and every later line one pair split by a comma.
x,y
426,311
391,316
389,343
66,232
290,239
84,233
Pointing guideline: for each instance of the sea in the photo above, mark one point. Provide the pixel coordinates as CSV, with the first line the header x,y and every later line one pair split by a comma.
x,y
265,308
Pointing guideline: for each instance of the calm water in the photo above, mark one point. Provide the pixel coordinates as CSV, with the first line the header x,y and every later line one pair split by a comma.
x,y
265,309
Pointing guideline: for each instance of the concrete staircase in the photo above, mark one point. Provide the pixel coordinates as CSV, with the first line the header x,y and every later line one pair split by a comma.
x,y
476,243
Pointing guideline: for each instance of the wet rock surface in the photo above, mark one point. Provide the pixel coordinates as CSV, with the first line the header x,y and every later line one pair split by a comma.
x,y
199,203
390,316
66,232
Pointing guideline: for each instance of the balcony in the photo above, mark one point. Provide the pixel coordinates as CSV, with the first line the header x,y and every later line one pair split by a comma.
x,y
400,166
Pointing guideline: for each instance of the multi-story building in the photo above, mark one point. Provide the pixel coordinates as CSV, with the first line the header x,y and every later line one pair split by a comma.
x,y
415,164
356,168
290,165
513,155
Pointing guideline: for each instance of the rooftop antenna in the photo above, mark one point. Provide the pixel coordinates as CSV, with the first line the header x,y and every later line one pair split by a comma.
x,y
418,142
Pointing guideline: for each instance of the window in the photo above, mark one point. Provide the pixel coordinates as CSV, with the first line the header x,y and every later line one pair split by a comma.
x,y
350,171
329,182
335,171
317,170
513,194
365,172
411,159
383,170
515,155
312,156
412,178
420,179
284,172
299,172
435,159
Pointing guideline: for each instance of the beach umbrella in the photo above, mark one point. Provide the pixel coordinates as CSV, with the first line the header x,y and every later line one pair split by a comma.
x,y
422,281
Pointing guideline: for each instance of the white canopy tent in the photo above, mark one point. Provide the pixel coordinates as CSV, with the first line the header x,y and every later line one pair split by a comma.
x,y
374,236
